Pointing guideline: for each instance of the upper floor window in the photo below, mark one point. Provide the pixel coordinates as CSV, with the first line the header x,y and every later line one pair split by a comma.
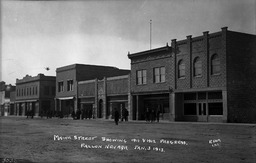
x,y
70,85
141,77
215,64
197,67
181,69
60,86
159,74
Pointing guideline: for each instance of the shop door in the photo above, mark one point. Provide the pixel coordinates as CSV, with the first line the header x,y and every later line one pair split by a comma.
x,y
100,108
202,112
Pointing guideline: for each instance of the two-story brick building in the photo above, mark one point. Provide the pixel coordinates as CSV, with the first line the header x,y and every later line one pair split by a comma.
x,y
6,99
205,78
101,97
150,82
35,93
67,79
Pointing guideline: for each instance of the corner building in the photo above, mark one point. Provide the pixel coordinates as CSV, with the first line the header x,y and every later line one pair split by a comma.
x,y
7,97
209,78
35,93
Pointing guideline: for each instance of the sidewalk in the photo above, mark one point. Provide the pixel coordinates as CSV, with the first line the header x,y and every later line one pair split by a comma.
x,y
143,121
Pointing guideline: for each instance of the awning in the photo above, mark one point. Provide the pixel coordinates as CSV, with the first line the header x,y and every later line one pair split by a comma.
x,y
26,101
87,102
118,101
66,98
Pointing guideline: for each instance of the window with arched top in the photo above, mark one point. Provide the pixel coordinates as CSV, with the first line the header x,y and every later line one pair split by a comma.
x,y
215,64
181,69
197,67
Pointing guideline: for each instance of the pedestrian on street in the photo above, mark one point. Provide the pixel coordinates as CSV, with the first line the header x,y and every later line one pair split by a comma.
x,y
126,114
116,116
147,115
78,113
73,115
157,115
152,115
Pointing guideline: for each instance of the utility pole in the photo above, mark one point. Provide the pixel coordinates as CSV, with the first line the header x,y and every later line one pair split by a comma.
x,y
150,31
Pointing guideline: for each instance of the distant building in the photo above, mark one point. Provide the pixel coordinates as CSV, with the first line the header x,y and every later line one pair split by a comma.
x,y
6,98
67,79
35,93
206,78
99,98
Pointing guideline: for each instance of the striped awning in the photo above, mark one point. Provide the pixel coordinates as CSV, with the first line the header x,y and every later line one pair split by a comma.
x,y
66,98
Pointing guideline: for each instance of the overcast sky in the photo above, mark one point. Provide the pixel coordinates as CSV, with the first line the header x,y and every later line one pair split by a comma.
x,y
39,34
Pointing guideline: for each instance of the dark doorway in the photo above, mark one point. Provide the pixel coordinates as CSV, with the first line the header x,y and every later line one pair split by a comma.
x,y
100,108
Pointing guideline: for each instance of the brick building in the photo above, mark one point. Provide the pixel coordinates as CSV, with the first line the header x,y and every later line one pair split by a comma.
x,y
67,79
101,97
35,93
6,99
205,78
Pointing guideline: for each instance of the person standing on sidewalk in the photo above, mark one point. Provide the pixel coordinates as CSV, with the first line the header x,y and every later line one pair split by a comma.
x,y
116,116
157,115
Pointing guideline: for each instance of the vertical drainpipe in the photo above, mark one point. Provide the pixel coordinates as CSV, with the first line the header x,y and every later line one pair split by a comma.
x,y
174,64
104,114
224,92
189,48
130,103
206,53
77,96
95,108
172,104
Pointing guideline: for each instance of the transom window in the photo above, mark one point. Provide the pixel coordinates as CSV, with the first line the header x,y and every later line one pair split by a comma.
x,y
197,67
215,64
159,74
141,77
181,68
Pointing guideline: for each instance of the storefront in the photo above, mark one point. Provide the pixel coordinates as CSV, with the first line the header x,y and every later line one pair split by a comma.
x,y
200,106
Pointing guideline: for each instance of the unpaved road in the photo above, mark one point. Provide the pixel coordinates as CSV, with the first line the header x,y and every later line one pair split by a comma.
x,y
66,140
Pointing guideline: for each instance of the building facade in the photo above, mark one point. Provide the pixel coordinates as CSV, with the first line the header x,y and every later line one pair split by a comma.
x,y
205,78
99,98
35,93
6,99
67,79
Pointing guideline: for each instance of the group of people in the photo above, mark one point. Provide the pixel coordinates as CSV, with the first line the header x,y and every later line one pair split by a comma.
x,y
84,114
124,117
51,113
47,114
30,113
151,115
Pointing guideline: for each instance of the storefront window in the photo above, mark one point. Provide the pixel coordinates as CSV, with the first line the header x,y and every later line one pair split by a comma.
x,y
215,108
189,108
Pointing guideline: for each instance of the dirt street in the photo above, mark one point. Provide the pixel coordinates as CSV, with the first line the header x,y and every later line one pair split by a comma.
x,y
67,140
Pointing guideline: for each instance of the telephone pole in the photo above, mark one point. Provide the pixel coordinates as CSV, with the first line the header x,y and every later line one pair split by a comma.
x,y
150,31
